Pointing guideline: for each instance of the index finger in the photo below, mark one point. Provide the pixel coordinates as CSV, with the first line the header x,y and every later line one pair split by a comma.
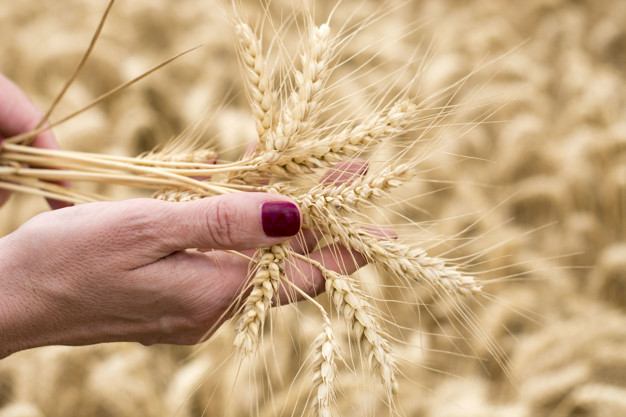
x,y
18,114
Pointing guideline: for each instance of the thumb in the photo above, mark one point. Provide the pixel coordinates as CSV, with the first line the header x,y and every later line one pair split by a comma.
x,y
233,221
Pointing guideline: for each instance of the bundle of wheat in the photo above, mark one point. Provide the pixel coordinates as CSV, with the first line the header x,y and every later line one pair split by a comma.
x,y
297,140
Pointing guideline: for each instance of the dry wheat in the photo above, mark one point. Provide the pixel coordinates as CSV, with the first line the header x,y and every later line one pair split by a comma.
x,y
261,95
358,314
325,370
264,286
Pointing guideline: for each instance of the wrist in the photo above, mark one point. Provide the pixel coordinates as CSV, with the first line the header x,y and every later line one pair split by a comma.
x,y
9,341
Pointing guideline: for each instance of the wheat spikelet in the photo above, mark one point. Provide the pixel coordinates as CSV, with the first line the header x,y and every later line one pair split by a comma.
x,y
264,286
357,312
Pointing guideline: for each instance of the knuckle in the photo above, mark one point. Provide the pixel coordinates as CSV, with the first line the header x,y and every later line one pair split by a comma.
x,y
221,224
138,225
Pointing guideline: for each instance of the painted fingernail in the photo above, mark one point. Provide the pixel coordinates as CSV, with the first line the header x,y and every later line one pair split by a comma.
x,y
280,218
56,204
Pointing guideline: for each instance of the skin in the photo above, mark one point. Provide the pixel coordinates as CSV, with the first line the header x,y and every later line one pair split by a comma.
x,y
124,271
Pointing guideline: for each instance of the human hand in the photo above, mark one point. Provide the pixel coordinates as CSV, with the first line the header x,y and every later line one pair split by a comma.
x,y
19,115
120,271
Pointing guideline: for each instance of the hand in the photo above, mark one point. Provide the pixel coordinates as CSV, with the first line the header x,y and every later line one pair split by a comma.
x,y
19,115
120,271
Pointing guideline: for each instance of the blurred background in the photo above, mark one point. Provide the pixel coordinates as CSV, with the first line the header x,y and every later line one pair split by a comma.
x,y
536,192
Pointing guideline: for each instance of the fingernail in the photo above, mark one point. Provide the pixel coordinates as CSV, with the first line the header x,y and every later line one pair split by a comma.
x,y
56,204
280,218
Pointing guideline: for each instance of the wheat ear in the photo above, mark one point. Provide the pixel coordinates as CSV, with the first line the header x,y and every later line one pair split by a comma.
x,y
264,285
302,109
325,350
386,124
314,151
325,368
404,260
258,82
399,259
357,191
358,313
323,151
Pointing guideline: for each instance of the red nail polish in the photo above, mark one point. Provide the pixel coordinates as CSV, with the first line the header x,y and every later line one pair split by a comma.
x,y
280,218
56,204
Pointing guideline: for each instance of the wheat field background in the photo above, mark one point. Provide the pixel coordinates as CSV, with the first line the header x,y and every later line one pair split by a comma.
x,y
534,193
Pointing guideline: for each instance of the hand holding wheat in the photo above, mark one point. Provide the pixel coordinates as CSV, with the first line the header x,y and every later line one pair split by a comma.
x,y
119,271
150,289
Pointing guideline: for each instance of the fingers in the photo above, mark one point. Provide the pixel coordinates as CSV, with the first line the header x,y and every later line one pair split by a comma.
x,y
345,171
250,149
210,283
309,278
235,221
19,115
340,173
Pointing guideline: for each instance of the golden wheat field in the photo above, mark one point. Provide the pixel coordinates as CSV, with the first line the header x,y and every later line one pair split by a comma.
x,y
519,155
